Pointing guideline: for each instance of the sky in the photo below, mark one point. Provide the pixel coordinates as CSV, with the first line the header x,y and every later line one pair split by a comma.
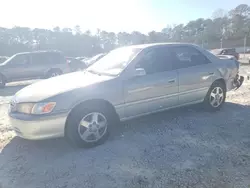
x,y
109,15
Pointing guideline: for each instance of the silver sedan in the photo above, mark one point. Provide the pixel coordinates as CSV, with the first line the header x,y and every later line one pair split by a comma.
x,y
126,83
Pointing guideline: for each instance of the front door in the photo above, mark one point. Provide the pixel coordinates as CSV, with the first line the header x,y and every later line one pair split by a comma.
x,y
18,67
154,91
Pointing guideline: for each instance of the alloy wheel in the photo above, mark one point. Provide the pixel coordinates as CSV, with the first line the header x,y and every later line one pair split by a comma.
x,y
216,97
92,127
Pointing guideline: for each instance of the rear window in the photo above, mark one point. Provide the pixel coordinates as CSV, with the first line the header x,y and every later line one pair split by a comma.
x,y
231,50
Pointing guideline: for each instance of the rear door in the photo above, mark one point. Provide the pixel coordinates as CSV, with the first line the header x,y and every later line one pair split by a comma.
x,y
59,61
40,64
196,74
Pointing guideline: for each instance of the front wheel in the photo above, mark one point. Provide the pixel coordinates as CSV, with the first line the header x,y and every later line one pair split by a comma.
x,y
215,97
88,127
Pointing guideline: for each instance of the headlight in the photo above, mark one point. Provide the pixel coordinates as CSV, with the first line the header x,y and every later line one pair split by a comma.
x,y
24,107
35,108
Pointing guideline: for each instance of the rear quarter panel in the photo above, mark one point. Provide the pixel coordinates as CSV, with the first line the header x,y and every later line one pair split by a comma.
x,y
225,68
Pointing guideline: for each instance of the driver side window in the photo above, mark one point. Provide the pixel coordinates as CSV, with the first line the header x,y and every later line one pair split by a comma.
x,y
155,61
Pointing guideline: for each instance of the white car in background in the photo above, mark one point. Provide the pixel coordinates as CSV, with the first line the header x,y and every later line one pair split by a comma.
x,y
94,59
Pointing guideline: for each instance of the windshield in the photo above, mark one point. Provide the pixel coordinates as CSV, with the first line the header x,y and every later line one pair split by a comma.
x,y
18,59
9,59
115,61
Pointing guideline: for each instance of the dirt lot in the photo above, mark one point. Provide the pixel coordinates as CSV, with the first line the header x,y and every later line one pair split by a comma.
x,y
179,148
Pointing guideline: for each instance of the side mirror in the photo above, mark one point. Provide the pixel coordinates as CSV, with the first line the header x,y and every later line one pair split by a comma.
x,y
140,72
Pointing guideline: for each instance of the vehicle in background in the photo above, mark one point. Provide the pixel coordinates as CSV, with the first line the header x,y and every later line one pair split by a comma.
x,y
126,83
3,59
32,65
81,58
226,57
226,51
76,64
94,59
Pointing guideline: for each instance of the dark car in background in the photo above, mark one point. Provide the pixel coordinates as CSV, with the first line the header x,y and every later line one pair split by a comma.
x,y
76,64
33,65
226,51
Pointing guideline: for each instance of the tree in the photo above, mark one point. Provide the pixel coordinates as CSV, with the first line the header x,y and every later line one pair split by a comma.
x,y
233,27
219,13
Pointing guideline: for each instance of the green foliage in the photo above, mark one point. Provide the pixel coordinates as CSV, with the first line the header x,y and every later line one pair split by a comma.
x,y
230,26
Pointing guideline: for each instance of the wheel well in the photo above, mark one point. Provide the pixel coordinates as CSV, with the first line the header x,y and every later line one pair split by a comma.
x,y
92,102
222,81
46,74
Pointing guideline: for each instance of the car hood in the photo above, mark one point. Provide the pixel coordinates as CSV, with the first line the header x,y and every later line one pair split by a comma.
x,y
47,88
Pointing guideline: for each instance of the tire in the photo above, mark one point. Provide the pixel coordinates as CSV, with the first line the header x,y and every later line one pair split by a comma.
x,y
53,73
215,97
83,122
2,81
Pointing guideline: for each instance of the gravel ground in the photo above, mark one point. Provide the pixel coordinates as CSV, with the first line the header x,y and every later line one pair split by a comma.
x,y
179,148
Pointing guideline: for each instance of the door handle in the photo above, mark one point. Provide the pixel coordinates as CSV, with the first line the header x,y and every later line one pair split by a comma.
x,y
211,73
171,81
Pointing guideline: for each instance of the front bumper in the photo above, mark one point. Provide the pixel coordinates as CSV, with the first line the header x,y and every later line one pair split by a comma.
x,y
37,127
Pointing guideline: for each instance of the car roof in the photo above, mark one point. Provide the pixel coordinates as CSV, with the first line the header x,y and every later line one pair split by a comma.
x,y
36,52
144,46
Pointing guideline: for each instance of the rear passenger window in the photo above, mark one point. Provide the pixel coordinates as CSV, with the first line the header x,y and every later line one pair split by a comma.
x,y
46,58
187,57
39,59
56,58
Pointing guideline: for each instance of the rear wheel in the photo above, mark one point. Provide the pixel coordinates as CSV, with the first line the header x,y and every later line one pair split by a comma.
x,y
215,97
88,126
53,73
